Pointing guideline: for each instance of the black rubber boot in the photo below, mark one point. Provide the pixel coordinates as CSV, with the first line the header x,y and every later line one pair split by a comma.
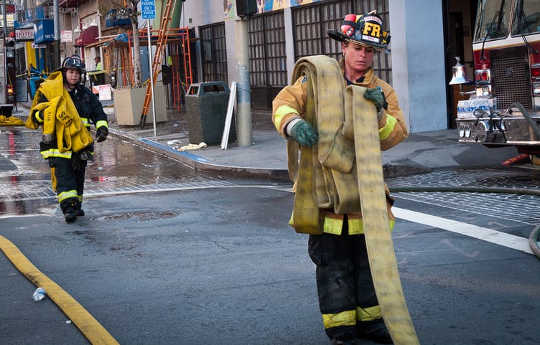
x,y
374,330
343,341
69,208
70,216
80,211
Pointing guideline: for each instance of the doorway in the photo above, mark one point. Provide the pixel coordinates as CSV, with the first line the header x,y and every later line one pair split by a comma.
x,y
459,18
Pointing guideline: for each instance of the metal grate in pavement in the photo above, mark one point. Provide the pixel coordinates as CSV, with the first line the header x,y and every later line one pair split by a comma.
x,y
519,208
27,190
523,209
477,178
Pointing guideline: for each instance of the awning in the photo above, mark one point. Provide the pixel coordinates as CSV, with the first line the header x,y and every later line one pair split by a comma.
x,y
101,42
68,3
44,31
88,36
121,38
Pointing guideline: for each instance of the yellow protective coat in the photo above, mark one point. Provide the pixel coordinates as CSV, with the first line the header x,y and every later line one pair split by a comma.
x,y
318,96
60,116
290,103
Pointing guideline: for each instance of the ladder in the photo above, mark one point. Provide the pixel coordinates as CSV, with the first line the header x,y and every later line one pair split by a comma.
x,y
186,51
156,63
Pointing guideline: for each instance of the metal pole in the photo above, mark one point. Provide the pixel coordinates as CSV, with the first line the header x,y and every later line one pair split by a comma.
x,y
151,74
100,46
56,33
81,30
3,82
244,90
56,21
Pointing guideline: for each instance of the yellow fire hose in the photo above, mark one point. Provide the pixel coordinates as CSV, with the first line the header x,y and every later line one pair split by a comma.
x,y
380,247
87,324
10,121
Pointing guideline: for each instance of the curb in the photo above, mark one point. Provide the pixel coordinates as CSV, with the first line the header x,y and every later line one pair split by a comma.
x,y
200,163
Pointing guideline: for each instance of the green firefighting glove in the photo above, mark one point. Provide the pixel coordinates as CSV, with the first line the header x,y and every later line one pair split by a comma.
x,y
376,95
304,134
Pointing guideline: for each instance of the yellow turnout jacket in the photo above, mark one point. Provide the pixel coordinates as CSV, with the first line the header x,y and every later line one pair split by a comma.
x,y
335,188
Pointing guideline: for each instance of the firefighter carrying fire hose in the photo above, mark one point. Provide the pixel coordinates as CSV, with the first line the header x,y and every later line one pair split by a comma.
x,y
347,298
65,109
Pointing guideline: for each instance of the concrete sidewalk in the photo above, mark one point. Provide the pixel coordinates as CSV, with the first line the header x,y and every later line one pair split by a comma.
x,y
267,156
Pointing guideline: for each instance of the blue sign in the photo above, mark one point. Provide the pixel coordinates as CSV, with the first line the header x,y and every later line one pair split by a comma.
x,y
148,9
44,31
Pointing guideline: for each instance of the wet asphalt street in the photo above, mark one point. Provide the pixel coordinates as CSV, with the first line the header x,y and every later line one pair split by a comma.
x,y
166,255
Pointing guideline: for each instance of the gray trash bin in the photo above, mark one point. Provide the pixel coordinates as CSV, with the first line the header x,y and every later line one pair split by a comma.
x,y
206,109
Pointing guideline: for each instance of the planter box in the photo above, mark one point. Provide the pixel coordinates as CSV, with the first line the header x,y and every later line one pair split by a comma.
x,y
128,105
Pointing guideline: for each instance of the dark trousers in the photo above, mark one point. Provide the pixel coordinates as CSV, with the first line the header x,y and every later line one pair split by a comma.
x,y
67,177
344,280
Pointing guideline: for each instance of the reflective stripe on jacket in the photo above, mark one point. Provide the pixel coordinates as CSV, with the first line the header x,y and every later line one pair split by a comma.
x,y
55,153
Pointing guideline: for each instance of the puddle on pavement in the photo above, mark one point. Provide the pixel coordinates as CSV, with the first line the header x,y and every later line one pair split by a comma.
x,y
119,165
25,177
140,216
24,207
88,235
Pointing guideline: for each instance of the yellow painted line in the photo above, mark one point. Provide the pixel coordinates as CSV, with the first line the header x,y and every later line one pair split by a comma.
x,y
87,324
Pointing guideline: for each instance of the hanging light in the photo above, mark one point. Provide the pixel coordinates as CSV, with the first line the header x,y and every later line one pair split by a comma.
x,y
458,76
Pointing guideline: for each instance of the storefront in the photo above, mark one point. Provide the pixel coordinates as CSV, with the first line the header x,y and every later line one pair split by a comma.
x,y
459,26
25,59
87,37
47,48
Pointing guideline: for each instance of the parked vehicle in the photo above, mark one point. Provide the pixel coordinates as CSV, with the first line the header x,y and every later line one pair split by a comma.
x,y
504,109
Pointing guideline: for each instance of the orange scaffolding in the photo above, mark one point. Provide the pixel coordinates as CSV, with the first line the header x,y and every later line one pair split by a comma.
x,y
179,49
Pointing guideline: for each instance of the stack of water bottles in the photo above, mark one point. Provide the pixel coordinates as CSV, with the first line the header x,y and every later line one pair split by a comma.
x,y
466,108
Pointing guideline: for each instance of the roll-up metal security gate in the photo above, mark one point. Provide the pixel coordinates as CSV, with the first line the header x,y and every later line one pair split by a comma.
x,y
213,52
267,58
311,23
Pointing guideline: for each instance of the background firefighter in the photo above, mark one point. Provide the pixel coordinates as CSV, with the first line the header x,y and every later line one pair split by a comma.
x,y
65,109
347,297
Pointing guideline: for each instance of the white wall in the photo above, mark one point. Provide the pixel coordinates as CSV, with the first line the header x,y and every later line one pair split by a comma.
x,y
400,71
417,55
418,60
289,41
203,12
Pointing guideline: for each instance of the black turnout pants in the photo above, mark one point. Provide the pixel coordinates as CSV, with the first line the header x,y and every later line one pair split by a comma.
x,y
344,280
68,180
